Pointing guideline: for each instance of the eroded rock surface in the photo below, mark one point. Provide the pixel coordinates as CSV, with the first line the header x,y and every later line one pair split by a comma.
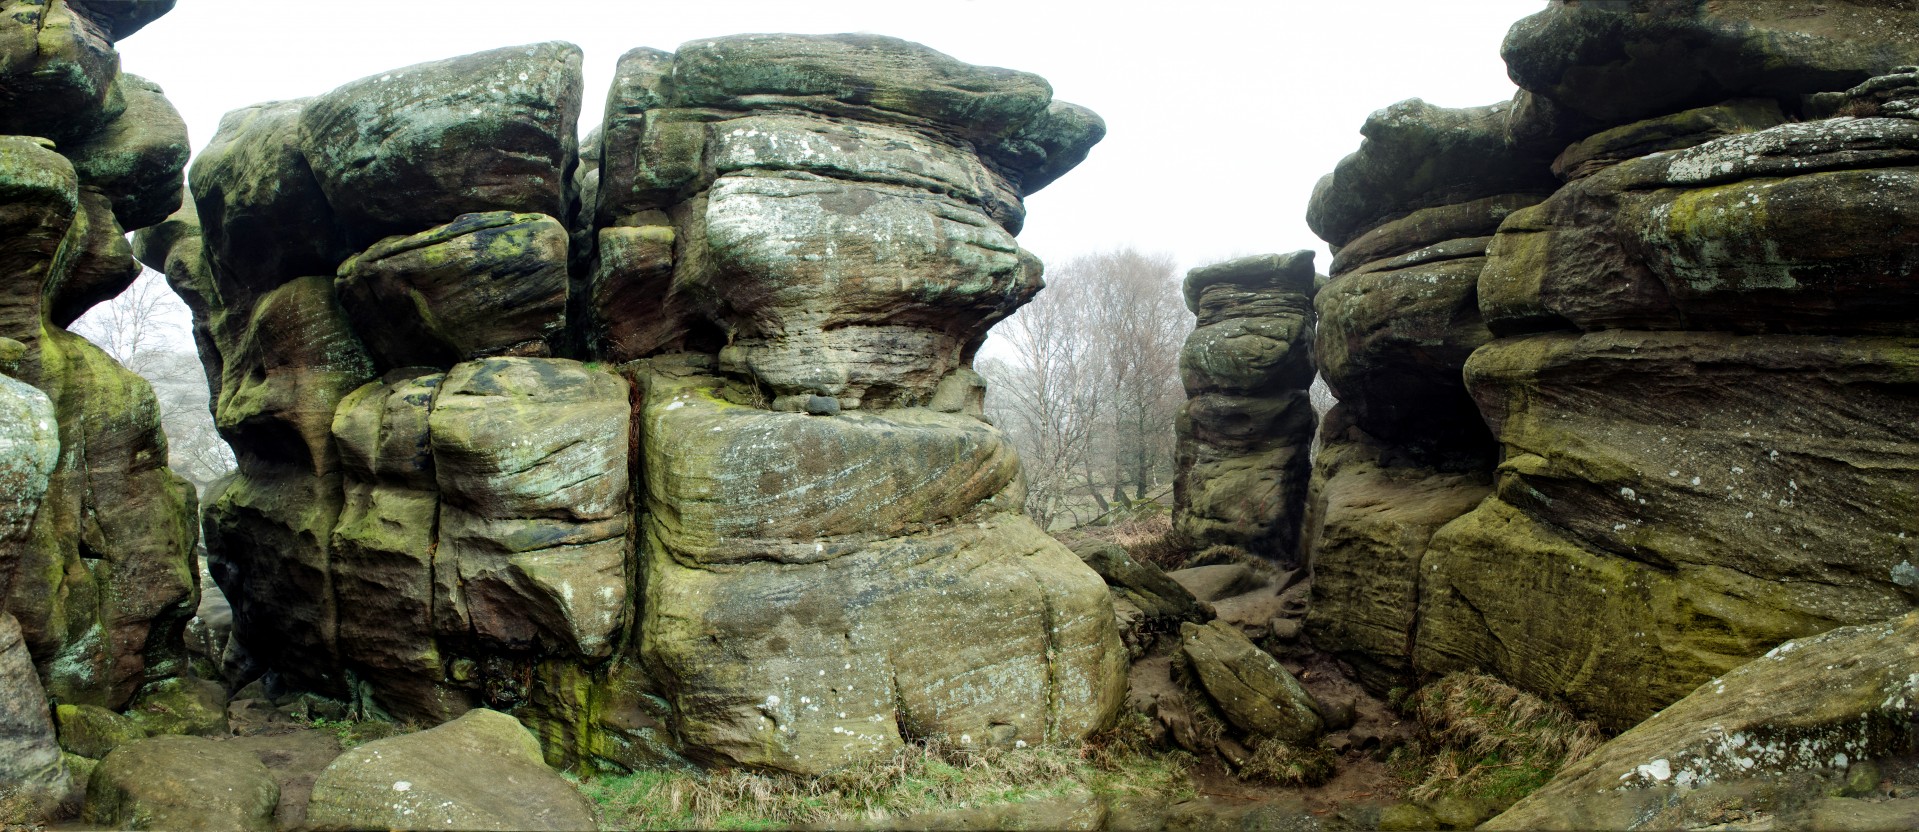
x,y
1245,430
96,534
552,432
481,771
1770,737
1695,357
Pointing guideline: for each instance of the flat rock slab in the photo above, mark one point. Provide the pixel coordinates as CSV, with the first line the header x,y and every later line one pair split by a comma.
x,y
481,771
1211,583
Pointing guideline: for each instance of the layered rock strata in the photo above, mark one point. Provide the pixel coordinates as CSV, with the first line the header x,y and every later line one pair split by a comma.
x,y
1246,429
1697,361
1404,451
96,542
669,444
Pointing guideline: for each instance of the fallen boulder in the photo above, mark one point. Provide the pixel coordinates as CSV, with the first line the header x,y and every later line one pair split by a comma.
x,y
481,771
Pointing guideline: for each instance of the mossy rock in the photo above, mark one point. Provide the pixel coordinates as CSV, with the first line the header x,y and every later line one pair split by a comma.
x,y
91,731
180,706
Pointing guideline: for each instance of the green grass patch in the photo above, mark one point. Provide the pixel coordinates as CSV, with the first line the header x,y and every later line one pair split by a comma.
x,y
928,776
1484,740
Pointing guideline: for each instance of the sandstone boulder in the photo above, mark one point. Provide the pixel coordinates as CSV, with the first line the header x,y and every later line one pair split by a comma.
x,y
1375,512
1418,156
1796,719
396,153
1249,687
530,456
1664,537
481,771
842,671
92,731
1617,63
1798,228
137,158
1153,592
181,782
60,71
41,198
484,284
266,219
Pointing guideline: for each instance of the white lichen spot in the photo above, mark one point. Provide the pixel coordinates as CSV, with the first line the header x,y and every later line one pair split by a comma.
x,y
402,786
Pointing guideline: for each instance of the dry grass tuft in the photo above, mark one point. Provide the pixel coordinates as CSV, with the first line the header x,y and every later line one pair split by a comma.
x,y
1484,738
1283,764
929,776
1149,538
1860,108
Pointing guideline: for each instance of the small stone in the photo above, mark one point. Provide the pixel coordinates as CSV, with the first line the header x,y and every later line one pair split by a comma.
x,y
822,406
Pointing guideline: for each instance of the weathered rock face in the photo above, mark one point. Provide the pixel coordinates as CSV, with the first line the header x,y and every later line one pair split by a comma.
x,y
839,210
1783,729
1246,428
96,535
481,771
177,782
1406,450
1623,62
745,538
1697,360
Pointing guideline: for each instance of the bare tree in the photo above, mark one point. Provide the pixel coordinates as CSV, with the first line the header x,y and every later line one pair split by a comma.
x,y
1089,385
144,329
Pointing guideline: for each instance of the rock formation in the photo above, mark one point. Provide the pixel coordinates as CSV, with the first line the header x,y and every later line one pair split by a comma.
x,y
1818,716
1695,356
1246,428
96,535
669,444
1405,451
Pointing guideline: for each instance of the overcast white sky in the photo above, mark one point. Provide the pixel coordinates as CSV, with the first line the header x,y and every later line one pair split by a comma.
x,y
1221,115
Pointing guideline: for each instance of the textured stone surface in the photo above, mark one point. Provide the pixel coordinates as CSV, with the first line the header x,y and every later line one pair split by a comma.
x,y
530,456
92,731
266,219
863,583
178,782
1375,510
1418,156
397,152
97,536
444,500
1818,705
1143,584
1254,693
481,771
1665,536
30,765
137,158
484,284
1692,363
1241,463
1620,62
60,71
1800,228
